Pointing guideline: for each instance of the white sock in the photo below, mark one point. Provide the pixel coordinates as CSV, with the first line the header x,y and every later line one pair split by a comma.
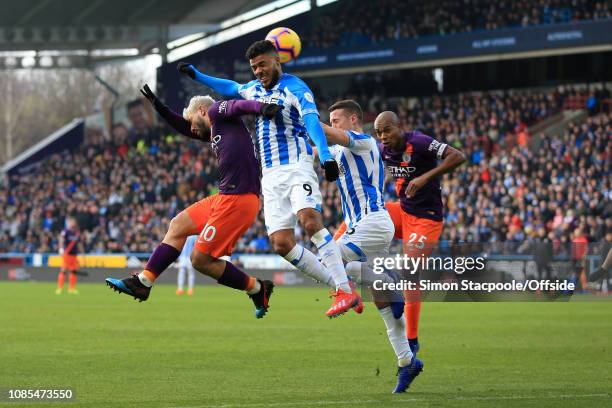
x,y
353,269
181,278
256,288
361,272
144,280
332,258
191,277
308,263
396,331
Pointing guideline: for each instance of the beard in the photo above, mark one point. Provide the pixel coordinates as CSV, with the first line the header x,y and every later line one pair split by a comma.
x,y
205,133
203,129
274,77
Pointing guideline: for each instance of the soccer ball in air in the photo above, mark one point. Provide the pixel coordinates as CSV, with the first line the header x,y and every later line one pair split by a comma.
x,y
287,43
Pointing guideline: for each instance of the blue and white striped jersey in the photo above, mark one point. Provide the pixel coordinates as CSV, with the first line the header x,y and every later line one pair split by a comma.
x,y
361,178
284,139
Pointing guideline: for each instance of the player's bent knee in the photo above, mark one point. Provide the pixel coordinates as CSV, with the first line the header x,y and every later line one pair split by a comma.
x,y
175,227
311,221
180,226
282,247
202,262
282,243
208,265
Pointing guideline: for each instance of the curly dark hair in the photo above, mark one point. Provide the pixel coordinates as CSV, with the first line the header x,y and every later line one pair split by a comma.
x,y
260,47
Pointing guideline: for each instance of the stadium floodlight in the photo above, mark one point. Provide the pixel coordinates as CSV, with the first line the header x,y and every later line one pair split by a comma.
x,y
121,52
28,62
277,14
45,61
185,40
17,54
321,3
11,62
63,61
259,11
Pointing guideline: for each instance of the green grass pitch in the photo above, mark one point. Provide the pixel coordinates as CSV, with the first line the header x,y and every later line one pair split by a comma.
x,y
209,351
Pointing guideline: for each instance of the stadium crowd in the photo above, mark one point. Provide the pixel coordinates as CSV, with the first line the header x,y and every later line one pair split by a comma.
x,y
355,22
124,189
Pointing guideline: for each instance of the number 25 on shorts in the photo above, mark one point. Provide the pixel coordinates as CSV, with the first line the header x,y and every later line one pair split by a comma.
x,y
413,242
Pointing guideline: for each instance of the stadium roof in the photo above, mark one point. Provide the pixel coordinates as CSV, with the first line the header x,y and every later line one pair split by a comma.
x,y
98,30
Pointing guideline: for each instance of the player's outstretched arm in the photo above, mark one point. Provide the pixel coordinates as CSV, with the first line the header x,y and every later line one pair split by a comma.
x,y
451,159
316,134
239,107
225,87
175,120
354,141
336,136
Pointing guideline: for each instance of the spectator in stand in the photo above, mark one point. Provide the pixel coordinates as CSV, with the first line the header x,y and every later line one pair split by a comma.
x,y
357,22
545,187
142,132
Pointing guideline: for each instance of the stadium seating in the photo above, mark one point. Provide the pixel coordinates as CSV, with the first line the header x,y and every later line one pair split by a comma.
x,y
355,22
124,192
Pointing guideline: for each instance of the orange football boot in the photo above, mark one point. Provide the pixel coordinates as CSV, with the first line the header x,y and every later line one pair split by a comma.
x,y
342,303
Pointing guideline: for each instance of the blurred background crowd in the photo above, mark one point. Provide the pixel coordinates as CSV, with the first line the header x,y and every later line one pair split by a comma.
x,y
124,189
356,22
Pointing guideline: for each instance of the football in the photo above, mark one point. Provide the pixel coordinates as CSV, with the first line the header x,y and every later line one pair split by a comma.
x,y
287,43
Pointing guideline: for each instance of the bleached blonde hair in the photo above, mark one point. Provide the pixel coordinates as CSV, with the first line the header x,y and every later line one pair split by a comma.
x,y
195,103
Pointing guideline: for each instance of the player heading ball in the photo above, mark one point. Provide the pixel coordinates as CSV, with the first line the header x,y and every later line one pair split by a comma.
x,y
289,183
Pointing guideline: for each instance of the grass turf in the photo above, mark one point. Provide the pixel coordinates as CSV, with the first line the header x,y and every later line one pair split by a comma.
x,y
208,350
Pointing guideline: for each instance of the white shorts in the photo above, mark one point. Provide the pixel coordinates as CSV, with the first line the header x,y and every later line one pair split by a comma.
x,y
368,239
286,190
184,262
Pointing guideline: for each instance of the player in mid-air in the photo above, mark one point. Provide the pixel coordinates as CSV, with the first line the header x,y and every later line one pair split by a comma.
x,y
289,183
416,161
219,219
369,229
69,249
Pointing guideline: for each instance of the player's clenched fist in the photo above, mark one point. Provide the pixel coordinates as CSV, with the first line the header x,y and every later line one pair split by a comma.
x,y
186,68
331,170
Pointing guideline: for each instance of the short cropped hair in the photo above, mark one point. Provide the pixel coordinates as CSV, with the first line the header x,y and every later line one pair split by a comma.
x,y
195,103
260,47
350,106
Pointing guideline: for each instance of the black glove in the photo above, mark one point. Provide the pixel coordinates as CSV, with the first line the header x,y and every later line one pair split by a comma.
x,y
148,93
186,68
331,170
269,110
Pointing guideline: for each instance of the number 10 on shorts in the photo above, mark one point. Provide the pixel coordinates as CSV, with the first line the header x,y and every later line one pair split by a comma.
x,y
208,233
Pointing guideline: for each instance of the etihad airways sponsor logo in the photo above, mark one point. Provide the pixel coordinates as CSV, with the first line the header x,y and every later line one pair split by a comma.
x,y
401,171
